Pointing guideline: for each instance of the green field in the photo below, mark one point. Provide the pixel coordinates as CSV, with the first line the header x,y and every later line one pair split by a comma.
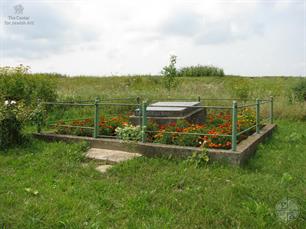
x,y
51,185
83,88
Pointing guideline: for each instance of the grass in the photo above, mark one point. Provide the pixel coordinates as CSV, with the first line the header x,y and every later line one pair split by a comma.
x,y
83,88
49,185
152,88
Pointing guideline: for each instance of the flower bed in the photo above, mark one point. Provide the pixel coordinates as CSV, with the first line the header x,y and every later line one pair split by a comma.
x,y
180,133
107,126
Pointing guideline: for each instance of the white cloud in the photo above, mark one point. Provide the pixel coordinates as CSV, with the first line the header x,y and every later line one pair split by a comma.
x,y
53,32
137,36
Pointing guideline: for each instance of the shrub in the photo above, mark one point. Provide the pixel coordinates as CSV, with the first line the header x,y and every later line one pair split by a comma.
x,y
12,116
37,116
129,133
16,83
299,90
200,70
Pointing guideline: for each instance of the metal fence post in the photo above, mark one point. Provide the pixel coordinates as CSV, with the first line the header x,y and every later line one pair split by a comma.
x,y
139,111
144,121
234,126
39,121
271,109
96,121
257,115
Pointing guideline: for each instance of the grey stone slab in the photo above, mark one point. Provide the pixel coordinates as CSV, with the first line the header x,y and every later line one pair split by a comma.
x,y
169,109
110,156
171,106
150,108
175,104
168,112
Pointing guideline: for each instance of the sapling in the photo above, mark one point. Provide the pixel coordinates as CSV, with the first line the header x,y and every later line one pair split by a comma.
x,y
169,74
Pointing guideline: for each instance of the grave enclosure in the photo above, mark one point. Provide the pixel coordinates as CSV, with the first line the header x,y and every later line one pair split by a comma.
x,y
165,112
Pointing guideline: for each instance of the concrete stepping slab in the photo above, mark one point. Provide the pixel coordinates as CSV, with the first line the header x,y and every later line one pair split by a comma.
x,y
110,156
103,168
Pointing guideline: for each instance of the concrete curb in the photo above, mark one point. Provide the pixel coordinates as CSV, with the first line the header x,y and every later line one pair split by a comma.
x,y
245,148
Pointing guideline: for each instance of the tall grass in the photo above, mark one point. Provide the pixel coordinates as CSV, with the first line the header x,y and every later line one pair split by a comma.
x,y
152,88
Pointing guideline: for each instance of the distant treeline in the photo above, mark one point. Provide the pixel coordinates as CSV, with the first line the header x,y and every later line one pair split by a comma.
x,y
200,70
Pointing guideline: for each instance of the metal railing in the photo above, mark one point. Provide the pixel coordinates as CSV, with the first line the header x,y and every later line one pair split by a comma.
x,y
97,104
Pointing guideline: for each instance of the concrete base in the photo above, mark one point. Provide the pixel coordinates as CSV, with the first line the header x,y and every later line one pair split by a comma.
x,y
196,117
245,149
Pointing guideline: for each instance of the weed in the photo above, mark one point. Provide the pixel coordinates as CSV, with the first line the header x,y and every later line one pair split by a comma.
x,y
198,159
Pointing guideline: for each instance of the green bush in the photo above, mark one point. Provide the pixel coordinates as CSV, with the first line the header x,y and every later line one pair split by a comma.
x,y
16,83
129,133
299,90
12,116
200,70
37,116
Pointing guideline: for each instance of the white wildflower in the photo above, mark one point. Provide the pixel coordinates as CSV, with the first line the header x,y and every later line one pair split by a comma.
x,y
6,102
13,102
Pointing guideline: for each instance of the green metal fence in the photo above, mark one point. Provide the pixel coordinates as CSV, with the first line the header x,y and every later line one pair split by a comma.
x,y
142,105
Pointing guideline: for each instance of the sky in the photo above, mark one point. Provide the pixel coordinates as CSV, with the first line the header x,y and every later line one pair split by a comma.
x,y
119,37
